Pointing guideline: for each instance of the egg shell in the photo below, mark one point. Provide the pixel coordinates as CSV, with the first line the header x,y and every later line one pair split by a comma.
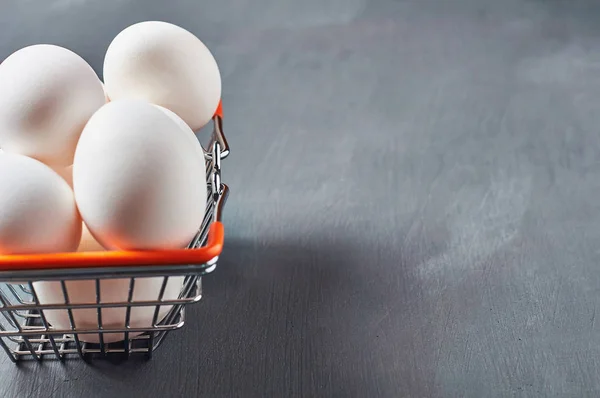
x,y
184,127
139,181
47,94
65,172
166,65
88,243
111,291
37,208
106,99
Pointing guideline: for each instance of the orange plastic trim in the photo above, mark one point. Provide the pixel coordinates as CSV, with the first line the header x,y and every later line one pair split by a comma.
x,y
201,255
219,111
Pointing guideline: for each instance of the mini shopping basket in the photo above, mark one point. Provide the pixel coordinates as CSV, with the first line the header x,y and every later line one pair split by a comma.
x,y
24,330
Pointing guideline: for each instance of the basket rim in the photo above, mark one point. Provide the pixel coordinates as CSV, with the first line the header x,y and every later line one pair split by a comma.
x,y
105,259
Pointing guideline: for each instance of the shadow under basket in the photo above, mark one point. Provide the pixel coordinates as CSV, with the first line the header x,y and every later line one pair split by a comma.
x,y
113,320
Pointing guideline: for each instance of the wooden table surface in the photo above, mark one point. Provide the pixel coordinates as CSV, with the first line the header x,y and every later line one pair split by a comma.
x,y
415,205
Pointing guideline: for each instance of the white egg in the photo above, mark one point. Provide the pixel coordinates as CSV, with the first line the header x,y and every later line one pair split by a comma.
x,y
106,99
65,172
47,94
166,65
138,179
111,291
88,242
187,131
37,209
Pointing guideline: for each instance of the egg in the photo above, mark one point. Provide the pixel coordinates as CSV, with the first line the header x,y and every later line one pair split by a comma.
x,y
37,209
47,94
184,127
88,243
106,99
138,178
111,291
66,173
166,65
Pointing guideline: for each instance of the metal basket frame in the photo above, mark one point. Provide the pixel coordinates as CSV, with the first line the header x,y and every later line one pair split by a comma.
x,y
25,332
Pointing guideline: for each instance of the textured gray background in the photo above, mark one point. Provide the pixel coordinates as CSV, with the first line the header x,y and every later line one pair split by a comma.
x,y
414,206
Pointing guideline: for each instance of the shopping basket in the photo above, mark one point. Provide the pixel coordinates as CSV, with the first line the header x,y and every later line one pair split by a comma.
x,y
25,332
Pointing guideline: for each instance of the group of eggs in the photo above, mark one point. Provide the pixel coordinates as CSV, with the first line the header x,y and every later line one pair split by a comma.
x,y
92,166
89,166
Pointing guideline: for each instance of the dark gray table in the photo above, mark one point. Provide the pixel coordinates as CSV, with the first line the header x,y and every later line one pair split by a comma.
x,y
415,205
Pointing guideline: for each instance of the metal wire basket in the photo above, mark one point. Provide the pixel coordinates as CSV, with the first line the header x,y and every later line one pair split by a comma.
x,y
25,332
